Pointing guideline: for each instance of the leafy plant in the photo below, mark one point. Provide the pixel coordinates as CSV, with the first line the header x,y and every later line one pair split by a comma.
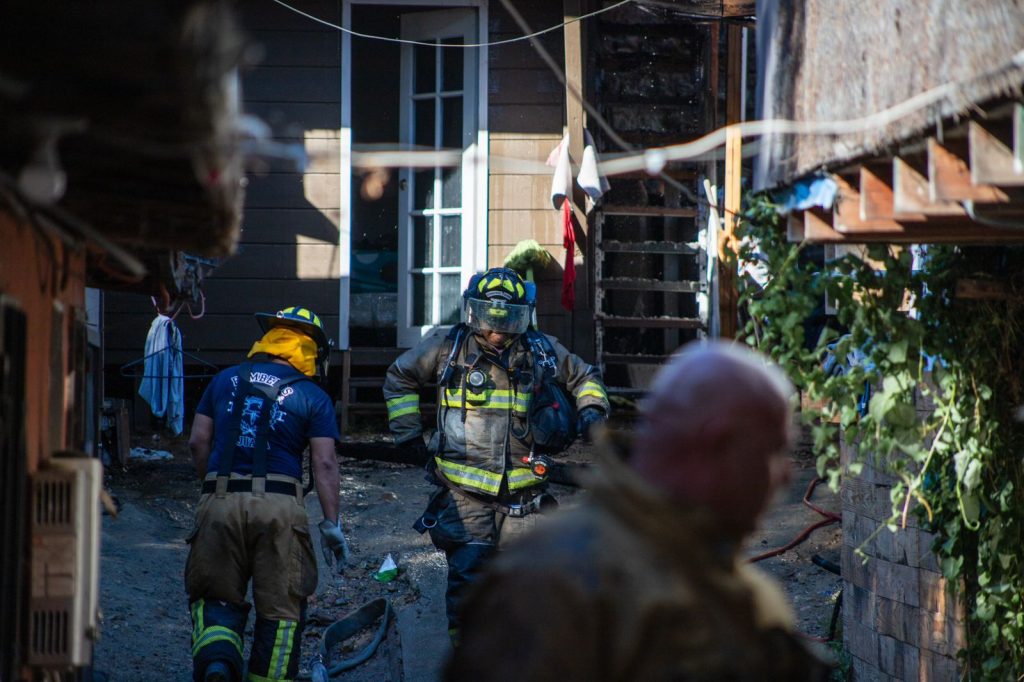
x,y
926,383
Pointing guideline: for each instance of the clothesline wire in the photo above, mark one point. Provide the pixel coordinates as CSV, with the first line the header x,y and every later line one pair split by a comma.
x,y
403,41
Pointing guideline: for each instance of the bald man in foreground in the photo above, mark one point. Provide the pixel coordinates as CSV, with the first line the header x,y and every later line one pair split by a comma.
x,y
645,580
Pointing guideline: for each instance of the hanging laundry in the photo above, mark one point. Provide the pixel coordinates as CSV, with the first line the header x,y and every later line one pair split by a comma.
x,y
163,377
589,178
561,181
569,272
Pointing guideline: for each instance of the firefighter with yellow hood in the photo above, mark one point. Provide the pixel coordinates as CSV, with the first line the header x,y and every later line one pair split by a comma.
x,y
508,398
251,427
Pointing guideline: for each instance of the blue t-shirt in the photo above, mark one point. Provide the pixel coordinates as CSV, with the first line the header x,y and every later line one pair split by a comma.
x,y
303,411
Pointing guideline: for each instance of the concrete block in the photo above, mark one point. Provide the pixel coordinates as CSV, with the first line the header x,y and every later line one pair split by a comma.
x,y
860,602
861,641
887,655
888,617
862,671
926,557
936,596
912,625
896,582
934,634
911,662
854,569
937,667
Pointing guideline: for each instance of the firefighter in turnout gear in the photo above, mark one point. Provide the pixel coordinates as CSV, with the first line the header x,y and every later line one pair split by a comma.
x,y
496,421
251,427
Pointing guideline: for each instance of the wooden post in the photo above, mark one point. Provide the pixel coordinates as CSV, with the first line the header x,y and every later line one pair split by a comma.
x,y
583,310
727,245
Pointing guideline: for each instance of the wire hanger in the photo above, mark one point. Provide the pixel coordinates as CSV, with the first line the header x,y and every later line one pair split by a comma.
x,y
212,368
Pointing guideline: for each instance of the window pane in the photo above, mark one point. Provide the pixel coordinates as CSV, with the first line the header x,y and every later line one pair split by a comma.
x,y
424,113
422,300
451,299
451,187
426,62
451,117
423,197
451,64
422,242
451,241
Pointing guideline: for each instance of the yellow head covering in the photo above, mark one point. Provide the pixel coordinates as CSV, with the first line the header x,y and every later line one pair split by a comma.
x,y
297,348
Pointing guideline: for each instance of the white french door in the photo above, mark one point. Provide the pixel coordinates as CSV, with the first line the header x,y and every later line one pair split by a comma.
x,y
439,240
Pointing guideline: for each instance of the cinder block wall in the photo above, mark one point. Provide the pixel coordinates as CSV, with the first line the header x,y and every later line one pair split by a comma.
x,y
899,620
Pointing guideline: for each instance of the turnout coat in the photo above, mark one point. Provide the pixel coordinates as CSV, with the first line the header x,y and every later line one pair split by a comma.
x,y
482,423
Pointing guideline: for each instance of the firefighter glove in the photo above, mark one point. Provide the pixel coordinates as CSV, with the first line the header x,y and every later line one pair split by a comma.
x,y
334,545
587,418
416,451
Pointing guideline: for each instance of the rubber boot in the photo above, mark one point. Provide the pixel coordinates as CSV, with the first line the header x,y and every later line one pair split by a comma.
x,y
217,672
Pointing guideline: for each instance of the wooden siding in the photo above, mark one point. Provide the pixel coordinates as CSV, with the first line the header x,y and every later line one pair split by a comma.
x,y
524,97
30,266
288,252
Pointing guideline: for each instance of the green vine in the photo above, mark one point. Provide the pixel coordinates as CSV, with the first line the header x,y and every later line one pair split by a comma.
x,y
944,411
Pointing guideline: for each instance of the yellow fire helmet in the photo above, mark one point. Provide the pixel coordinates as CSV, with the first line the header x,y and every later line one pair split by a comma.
x,y
498,300
305,321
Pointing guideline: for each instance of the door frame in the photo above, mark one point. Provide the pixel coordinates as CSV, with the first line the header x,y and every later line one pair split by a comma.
x,y
477,217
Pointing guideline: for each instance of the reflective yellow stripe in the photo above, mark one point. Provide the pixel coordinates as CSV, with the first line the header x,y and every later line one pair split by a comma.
x,y
217,633
592,388
494,399
403,405
522,478
470,477
282,648
523,402
197,619
253,677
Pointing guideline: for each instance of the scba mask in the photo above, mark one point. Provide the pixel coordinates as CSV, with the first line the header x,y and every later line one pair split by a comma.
x,y
498,301
497,316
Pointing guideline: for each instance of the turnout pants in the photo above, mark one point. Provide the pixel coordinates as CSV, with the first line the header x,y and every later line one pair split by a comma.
x,y
468,533
241,536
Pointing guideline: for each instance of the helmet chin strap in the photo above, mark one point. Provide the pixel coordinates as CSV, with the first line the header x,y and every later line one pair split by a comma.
x,y
482,338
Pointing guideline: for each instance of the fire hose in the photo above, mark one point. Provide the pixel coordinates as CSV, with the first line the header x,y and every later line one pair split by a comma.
x,y
376,612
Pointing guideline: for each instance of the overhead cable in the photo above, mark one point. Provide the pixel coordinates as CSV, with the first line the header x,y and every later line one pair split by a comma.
x,y
403,41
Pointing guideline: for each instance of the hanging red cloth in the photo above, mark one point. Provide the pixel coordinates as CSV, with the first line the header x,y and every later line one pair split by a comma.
x,y
569,242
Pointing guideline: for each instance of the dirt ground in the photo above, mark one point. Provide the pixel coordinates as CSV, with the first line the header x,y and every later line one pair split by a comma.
x,y
145,625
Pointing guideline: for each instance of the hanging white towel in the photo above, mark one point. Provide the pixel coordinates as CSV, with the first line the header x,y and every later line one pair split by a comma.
x,y
561,181
590,179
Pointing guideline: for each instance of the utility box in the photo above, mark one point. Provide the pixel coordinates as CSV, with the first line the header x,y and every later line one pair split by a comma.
x,y
65,531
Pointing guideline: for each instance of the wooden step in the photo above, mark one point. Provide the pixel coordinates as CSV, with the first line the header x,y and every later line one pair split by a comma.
x,y
657,211
626,391
669,248
650,322
636,284
631,359
674,173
